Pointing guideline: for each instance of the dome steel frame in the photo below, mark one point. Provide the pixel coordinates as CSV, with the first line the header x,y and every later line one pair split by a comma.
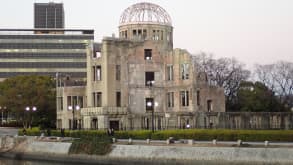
x,y
146,13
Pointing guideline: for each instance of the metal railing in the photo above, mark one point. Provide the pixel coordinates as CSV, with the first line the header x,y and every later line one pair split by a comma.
x,y
104,111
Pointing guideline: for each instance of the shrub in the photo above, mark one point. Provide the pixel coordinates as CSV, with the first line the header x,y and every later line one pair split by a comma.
x,y
34,131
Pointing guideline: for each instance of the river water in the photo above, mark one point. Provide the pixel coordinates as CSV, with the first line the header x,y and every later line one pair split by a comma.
x,y
4,161
29,162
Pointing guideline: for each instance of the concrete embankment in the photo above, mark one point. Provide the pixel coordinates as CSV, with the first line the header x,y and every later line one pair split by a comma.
x,y
31,148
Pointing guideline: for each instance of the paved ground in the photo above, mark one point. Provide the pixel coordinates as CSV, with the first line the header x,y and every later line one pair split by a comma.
x,y
8,131
13,131
208,143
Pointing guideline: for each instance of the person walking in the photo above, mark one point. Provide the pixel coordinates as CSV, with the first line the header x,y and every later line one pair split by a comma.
x,y
112,132
109,132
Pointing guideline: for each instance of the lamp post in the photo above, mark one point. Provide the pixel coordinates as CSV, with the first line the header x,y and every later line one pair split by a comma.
x,y
2,109
28,109
73,108
150,104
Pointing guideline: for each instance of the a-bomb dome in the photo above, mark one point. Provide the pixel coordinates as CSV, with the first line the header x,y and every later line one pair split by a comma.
x,y
145,13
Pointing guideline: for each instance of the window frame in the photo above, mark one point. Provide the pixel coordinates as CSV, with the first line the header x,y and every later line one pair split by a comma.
x,y
170,99
184,98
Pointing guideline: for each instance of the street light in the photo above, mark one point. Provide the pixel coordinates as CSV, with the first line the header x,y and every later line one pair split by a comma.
x,y
4,108
73,108
28,109
150,104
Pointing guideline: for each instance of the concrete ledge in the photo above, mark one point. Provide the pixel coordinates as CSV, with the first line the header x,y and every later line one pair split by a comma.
x,y
88,159
151,154
49,147
221,154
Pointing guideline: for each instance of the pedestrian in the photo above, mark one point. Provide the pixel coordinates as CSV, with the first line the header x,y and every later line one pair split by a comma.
x,y
62,132
49,132
112,132
24,131
109,131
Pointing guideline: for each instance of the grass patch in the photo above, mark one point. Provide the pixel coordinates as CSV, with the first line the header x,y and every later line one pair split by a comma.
x,y
91,145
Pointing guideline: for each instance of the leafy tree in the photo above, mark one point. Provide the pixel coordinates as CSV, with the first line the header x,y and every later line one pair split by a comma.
x,y
18,92
256,97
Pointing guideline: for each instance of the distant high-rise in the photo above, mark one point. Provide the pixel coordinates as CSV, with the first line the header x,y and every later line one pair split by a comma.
x,y
49,15
62,51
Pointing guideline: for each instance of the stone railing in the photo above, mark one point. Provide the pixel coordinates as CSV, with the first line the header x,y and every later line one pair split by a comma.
x,y
104,111
59,113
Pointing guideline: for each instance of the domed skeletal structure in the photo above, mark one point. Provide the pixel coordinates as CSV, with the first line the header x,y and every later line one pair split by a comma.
x,y
145,13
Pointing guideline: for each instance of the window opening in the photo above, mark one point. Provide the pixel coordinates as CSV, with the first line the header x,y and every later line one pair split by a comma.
x,y
144,33
118,72
148,54
97,96
118,99
69,103
134,32
170,72
210,107
149,78
198,97
97,73
185,71
139,33
184,98
149,102
170,99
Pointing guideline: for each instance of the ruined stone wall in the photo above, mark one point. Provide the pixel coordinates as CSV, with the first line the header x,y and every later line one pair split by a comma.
x,y
215,95
250,120
213,120
63,115
155,32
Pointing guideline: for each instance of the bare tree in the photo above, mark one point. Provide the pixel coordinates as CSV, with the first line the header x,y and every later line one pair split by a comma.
x,y
264,74
223,72
279,78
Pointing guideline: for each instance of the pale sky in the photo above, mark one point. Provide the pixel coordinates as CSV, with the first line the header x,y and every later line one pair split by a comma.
x,y
252,31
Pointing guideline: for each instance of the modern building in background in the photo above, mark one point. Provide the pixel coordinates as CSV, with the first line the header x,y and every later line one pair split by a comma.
x,y
138,81
25,52
48,15
47,49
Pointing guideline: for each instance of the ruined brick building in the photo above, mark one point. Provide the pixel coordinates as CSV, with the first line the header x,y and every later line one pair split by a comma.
x,y
138,81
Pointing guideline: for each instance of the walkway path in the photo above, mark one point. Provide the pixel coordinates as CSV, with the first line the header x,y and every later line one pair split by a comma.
x,y
8,131
207,143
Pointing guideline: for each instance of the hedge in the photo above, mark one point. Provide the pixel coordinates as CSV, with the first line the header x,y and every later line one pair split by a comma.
x,y
68,133
196,134
226,135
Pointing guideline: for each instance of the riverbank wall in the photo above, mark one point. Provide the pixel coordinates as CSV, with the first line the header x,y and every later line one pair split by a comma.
x,y
33,149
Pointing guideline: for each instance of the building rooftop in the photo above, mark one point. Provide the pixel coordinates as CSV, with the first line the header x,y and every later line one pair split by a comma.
x,y
32,31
